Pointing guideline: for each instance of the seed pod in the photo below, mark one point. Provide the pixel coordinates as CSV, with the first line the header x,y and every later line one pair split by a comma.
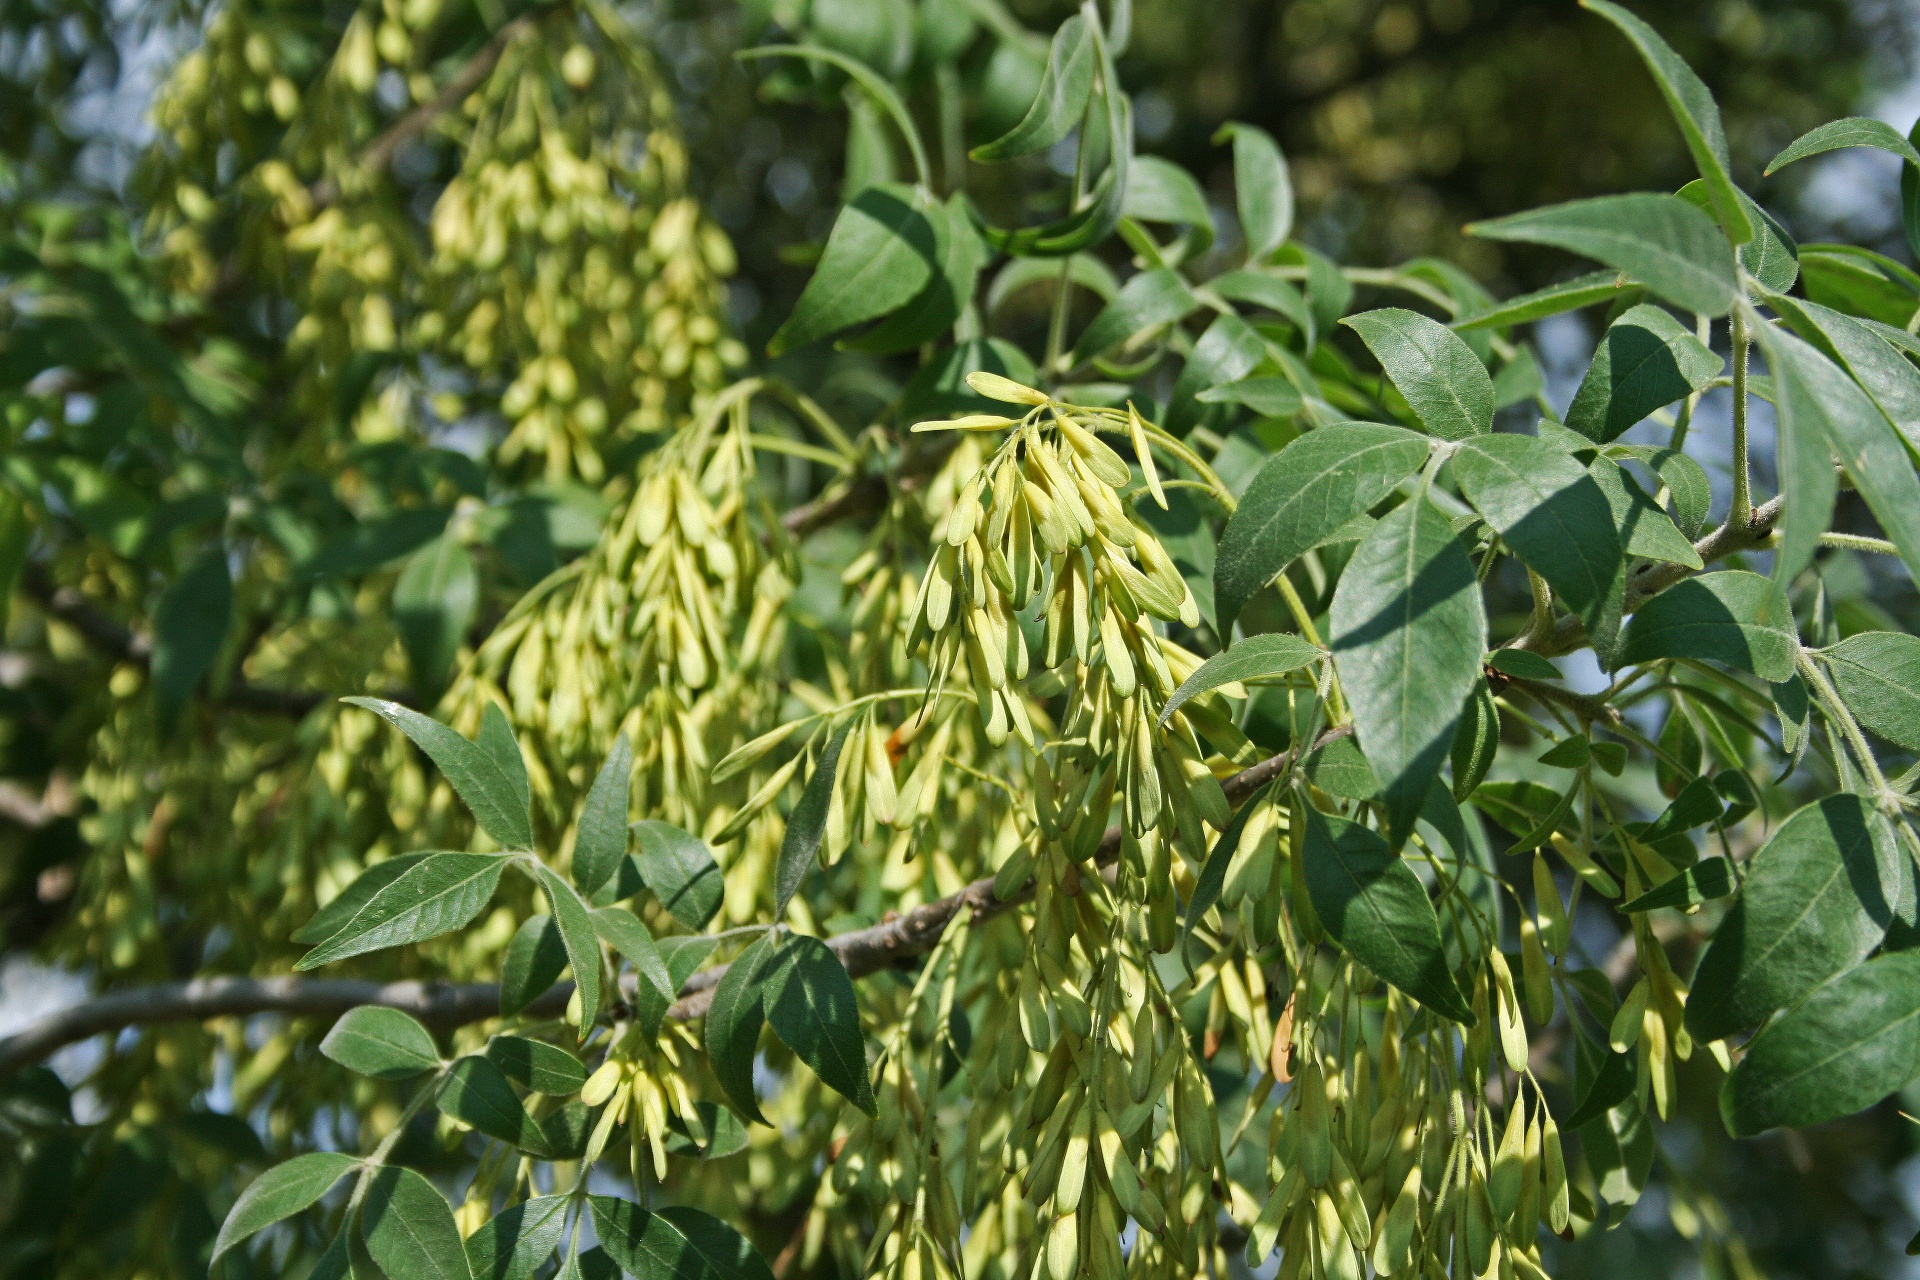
x,y
995,387
1316,1127
1513,1035
1137,432
1503,1184
1393,1246
965,516
1352,1207
1479,1232
1193,1114
1524,1225
1266,1228
1535,979
1597,877
1063,1247
1073,1164
1556,1203
1337,1258
1628,1020
1554,928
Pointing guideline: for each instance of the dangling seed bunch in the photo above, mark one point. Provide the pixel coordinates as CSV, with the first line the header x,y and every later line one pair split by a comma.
x,y
638,637
1044,517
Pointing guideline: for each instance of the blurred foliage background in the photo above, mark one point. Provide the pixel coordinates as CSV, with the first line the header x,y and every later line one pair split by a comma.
x,y
243,340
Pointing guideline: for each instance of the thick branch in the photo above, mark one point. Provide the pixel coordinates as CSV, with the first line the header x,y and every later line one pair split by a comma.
x,y
445,1004
379,153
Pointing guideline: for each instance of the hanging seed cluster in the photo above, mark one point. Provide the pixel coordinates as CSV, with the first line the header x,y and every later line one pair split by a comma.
x,y
568,248
655,633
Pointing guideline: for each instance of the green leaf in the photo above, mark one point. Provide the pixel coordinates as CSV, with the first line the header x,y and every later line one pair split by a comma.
x,y
1339,769
1733,616
1639,523
279,1193
623,931
1816,901
567,1130
807,824
733,1024
1854,131
497,740
681,872
677,1243
879,255
1100,212
1569,295
1408,631
1860,283
434,603
683,956
1213,873
436,895
1262,190
1475,742
1371,903
1646,360
1148,301
1697,804
1686,482
725,1135
1822,414
1619,1150
512,1245
1661,241
409,1228
1303,494
536,1065
1704,881
1269,397
347,903
1553,515
1523,663
1259,657
580,939
1433,367
383,1043
1161,191
601,840
477,1093
811,1003
1612,1083
189,626
1065,88
534,959
1228,351
932,312
1845,1047
1865,349
489,790
1877,675
1694,110
1772,257
1258,289
876,88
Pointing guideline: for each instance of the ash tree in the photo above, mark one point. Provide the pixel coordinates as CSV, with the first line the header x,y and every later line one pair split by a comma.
x,y
1071,764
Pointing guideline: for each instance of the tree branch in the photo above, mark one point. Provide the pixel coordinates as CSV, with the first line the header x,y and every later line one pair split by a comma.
x,y
447,1004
